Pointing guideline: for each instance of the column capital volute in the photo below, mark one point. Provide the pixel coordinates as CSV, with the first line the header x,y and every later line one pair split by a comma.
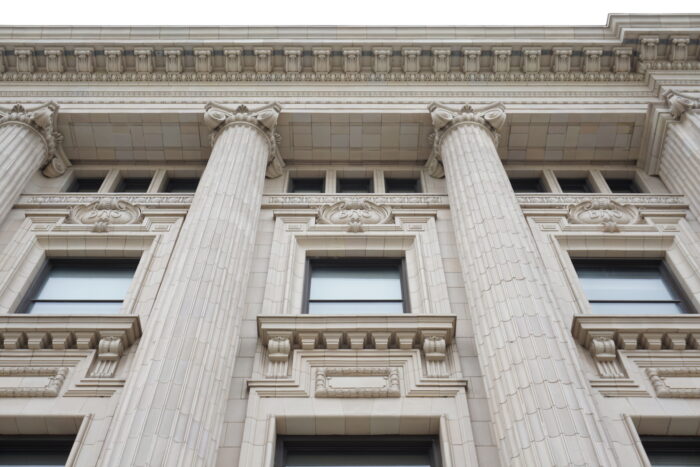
x,y
43,119
679,103
490,117
263,119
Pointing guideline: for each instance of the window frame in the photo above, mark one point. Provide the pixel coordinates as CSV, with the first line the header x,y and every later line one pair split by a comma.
x,y
666,275
45,269
344,443
355,262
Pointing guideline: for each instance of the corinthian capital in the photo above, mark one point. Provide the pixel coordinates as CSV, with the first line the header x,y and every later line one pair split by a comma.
x,y
680,103
264,119
42,119
490,117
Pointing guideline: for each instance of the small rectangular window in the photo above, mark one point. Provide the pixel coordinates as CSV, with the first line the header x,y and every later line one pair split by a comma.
x,y
402,185
29,450
575,185
354,185
86,185
343,287
676,451
181,185
307,185
133,185
357,451
630,287
527,185
623,185
81,286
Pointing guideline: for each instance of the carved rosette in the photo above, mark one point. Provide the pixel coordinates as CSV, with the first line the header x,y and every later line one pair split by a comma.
x,y
108,211
43,119
217,117
680,103
354,213
491,117
607,212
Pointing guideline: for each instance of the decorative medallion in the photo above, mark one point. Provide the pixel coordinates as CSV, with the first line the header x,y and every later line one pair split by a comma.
x,y
354,213
108,211
604,211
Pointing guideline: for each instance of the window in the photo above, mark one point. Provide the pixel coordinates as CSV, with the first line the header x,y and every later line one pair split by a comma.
x,y
86,185
18,451
354,185
575,185
81,286
527,185
342,287
623,185
133,185
402,185
676,451
306,185
630,287
357,451
181,185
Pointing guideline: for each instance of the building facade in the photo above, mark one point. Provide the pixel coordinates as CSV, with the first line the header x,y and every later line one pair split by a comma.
x,y
295,246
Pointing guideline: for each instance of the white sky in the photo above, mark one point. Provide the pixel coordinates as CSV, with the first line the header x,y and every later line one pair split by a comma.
x,y
329,12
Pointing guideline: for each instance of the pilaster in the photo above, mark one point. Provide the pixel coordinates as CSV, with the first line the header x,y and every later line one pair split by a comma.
x,y
542,411
172,408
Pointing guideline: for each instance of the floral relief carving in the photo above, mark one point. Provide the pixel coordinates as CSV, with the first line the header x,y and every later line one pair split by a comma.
x,y
354,213
605,211
105,212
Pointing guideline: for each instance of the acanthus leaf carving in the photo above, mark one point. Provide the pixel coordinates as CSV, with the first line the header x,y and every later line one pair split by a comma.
x,y
603,211
108,211
354,213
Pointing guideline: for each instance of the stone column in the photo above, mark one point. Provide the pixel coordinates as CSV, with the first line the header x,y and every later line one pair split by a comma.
x,y
28,141
542,411
680,154
173,405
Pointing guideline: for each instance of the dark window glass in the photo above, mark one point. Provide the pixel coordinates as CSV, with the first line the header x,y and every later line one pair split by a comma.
x,y
357,451
82,286
354,185
629,287
86,185
355,287
676,451
402,185
622,185
527,185
35,450
181,185
575,185
133,185
306,185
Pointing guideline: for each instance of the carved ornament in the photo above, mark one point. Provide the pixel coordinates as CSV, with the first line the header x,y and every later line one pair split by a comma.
x,y
491,117
217,117
108,211
680,103
389,377
354,213
43,119
604,211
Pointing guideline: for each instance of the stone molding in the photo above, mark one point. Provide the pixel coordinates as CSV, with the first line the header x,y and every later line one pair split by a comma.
x,y
679,103
657,377
391,387
42,119
217,117
491,117
57,375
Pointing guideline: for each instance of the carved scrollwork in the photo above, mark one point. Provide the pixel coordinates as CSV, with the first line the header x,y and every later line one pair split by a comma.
x,y
108,211
604,211
680,103
354,213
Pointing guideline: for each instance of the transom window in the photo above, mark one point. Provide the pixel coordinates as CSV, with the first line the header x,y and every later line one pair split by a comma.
x,y
354,185
86,185
402,185
672,451
181,185
623,185
630,287
575,185
306,185
133,185
527,185
81,286
357,451
341,287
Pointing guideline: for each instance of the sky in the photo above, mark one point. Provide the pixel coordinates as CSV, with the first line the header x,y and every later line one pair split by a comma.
x,y
329,12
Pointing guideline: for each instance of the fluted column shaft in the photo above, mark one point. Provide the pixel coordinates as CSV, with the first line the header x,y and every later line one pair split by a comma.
x,y
541,409
175,397
27,143
680,158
